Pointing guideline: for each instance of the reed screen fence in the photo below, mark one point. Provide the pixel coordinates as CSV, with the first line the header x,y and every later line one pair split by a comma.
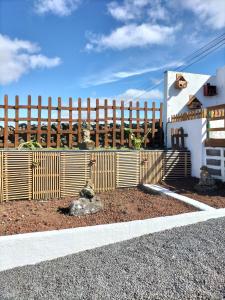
x,y
55,174
61,125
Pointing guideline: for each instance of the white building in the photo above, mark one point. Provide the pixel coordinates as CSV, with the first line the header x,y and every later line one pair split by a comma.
x,y
175,102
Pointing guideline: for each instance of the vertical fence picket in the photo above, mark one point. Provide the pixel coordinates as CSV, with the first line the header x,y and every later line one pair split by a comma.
x,y
79,120
97,123
106,122
49,122
39,120
70,122
153,123
138,118
114,124
29,118
16,121
6,116
122,124
58,139
130,122
145,121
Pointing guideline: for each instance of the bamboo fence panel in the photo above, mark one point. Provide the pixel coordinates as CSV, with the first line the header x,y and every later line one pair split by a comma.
x,y
1,177
46,175
176,164
61,125
75,171
17,174
103,171
127,166
151,166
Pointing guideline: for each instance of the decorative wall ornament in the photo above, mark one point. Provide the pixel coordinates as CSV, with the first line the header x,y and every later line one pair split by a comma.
x,y
180,82
209,90
194,103
177,138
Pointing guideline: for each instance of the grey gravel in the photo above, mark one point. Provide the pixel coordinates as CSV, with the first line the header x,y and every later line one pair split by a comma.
x,y
182,263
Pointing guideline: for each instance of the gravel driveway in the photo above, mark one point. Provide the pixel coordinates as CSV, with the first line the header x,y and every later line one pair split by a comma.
x,y
182,263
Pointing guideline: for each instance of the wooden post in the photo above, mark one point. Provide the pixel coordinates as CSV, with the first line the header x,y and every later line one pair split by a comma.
x,y
79,121
106,143
97,124
16,121
145,120
49,122
29,118
153,123
122,124
88,111
58,141
70,122
130,123
138,118
6,133
161,142
39,120
114,124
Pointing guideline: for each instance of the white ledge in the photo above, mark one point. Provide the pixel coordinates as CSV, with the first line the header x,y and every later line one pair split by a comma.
x,y
31,248
160,190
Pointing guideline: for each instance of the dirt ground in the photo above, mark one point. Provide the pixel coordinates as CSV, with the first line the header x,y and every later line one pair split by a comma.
x,y
119,206
186,187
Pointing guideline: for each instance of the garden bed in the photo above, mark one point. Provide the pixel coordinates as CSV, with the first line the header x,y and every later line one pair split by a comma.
x,y
186,187
119,206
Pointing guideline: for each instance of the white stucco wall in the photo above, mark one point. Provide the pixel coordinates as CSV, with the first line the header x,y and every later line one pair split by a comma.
x,y
196,130
175,100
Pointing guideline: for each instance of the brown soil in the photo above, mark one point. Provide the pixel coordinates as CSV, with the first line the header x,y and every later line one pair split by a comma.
x,y
186,187
119,206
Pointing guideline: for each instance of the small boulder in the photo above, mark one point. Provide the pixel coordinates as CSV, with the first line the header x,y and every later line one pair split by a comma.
x,y
84,206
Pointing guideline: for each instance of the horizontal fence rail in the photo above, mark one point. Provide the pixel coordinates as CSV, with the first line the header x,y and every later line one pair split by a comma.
x,y
61,125
57,174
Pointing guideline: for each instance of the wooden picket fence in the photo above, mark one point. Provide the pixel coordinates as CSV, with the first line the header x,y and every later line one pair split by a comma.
x,y
55,174
61,125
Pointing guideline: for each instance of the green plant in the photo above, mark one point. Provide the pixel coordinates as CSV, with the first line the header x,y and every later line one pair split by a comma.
x,y
30,145
136,141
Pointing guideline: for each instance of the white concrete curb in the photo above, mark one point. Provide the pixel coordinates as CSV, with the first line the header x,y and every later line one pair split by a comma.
x,y
31,248
160,190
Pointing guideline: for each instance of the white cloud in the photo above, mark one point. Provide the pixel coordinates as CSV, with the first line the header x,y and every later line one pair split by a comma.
x,y
129,10
211,12
134,94
116,76
133,35
17,57
57,7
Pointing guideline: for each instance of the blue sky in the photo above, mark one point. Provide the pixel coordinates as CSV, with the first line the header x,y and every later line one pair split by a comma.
x,y
105,49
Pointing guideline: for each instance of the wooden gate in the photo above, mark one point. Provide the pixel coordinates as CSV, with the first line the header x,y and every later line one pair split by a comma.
x,y
46,175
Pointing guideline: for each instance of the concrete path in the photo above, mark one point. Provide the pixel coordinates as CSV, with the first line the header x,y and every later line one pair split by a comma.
x,y
182,263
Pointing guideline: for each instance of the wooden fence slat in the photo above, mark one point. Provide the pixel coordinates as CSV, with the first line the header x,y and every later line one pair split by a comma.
x,y
130,123
49,122
6,130
58,141
79,120
29,118
16,121
70,123
122,124
114,124
97,124
106,122
39,121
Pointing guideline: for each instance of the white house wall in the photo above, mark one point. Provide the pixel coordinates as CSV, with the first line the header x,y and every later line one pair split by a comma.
x,y
196,130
